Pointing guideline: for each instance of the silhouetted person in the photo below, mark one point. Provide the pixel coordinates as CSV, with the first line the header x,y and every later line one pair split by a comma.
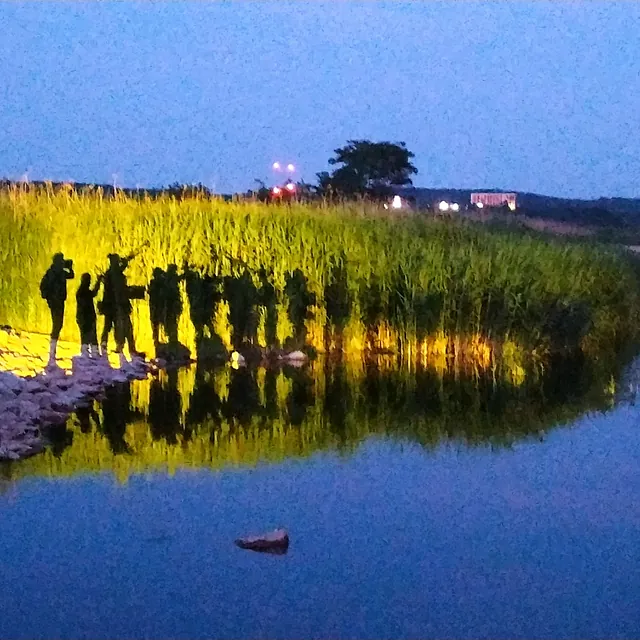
x,y
298,309
337,303
157,302
242,296
53,288
173,303
203,294
371,310
267,299
116,305
86,314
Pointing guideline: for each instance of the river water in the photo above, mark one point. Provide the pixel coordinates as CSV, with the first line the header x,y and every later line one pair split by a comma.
x,y
419,504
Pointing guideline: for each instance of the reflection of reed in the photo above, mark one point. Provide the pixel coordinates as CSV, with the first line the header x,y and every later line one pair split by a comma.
x,y
198,418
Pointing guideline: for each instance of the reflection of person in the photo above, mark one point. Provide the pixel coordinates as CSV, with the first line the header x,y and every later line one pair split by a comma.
x,y
53,288
86,314
85,415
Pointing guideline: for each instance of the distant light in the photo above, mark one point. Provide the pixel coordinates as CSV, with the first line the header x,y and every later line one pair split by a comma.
x,y
443,206
276,191
276,166
291,168
386,206
479,205
291,186
512,206
455,207
396,203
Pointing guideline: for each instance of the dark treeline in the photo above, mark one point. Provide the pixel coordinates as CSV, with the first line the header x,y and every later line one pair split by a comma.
x,y
621,214
175,190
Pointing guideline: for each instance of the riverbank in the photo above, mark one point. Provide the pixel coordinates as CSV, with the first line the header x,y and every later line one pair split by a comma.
x,y
35,397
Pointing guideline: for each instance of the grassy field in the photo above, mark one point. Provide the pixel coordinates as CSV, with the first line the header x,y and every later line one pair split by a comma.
x,y
352,276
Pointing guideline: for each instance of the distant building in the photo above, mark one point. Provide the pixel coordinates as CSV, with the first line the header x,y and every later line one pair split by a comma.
x,y
494,200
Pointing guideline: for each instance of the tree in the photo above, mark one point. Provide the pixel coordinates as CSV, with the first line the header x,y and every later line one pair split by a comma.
x,y
368,168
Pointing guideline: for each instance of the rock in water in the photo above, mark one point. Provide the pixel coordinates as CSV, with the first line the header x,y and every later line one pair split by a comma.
x,y
295,358
238,360
273,542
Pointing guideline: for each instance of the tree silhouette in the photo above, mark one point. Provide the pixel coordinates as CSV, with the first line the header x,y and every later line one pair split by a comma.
x,y
368,168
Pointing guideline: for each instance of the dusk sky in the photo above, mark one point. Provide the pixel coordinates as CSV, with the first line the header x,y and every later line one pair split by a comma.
x,y
537,96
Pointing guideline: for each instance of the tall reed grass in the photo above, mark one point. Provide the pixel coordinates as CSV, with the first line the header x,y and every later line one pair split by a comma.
x,y
378,280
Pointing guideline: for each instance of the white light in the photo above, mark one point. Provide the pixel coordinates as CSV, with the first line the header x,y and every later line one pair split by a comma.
x,y
386,206
443,206
512,206
396,203
276,166
479,205
276,191
291,168
291,186
455,207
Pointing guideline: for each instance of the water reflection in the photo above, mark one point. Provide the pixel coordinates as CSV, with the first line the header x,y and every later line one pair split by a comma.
x,y
200,417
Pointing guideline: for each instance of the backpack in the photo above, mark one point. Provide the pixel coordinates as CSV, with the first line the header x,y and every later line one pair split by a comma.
x,y
45,285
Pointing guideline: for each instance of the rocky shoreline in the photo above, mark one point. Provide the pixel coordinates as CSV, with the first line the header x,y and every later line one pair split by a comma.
x,y
34,397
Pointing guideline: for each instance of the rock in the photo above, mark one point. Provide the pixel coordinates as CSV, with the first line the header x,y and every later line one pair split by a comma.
x,y
51,417
238,360
10,382
47,397
7,454
273,542
295,358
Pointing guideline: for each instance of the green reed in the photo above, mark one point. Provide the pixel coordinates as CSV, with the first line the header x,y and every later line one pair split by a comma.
x,y
413,276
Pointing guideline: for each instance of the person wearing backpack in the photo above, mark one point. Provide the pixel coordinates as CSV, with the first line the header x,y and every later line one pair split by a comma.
x,y
53,288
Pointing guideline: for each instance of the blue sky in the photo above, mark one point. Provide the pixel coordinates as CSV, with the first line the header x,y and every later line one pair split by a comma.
x,y
533,96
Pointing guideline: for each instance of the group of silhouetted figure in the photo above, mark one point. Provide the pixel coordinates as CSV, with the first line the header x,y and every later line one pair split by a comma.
x,y
115,304
247,300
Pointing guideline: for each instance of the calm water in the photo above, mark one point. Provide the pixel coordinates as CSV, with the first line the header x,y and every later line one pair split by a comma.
x,y
418,505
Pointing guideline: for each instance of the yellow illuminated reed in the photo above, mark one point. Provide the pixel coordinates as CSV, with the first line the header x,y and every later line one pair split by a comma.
x,y
409,281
